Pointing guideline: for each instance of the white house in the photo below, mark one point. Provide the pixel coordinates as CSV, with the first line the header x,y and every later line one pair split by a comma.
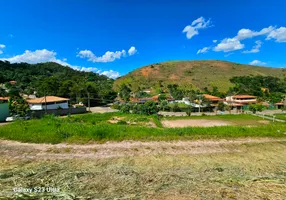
x,y
241,99
52,102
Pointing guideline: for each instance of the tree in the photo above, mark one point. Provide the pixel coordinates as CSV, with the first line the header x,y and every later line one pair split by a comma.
x,y
162,97
256,107
151,107
124,92
228,108
221,106
163,105
175,107
189,110
125,108
18,106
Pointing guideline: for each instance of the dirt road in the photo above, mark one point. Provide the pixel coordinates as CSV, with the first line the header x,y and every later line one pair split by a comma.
x,y
19,150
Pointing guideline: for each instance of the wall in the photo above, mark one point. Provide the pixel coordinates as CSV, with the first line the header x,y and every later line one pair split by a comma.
x,y
49,106
40,113
4,111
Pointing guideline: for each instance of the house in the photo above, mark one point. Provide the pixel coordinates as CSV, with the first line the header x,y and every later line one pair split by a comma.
x,y
12,82
213,100
51,102
279,105
4,108
241,99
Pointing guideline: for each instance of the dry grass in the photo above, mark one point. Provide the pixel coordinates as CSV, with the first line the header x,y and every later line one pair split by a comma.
x,y
253,171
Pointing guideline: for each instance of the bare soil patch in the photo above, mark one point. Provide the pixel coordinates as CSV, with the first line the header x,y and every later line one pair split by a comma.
x,y
194,123
264,121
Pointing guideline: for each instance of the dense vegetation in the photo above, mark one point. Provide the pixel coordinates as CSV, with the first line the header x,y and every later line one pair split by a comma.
x,y
192,75
268,88
54,79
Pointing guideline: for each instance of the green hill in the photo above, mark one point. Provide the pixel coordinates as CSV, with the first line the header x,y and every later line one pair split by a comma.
x,y
193,74
57,80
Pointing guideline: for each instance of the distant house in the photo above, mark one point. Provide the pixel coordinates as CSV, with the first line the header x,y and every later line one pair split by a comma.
x,y
52,102
4,108
12,82
241,99
213,99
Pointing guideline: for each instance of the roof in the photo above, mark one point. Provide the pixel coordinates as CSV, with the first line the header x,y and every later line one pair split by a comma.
x,y
243,96
235,104
49,99
212,98
4,98
279,104
12,82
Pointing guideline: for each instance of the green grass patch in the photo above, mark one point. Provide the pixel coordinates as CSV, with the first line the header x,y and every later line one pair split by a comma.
x,y
94,127
280,116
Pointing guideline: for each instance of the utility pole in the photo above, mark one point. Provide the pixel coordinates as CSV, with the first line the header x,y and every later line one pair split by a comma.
x,y
45,103
88,96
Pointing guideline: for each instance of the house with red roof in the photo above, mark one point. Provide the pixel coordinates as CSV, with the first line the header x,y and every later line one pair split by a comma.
x,y
49,102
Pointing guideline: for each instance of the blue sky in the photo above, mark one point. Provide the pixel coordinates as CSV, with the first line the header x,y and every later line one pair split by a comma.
x,y
114,37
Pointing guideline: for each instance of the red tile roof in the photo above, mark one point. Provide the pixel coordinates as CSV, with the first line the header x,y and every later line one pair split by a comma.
x,y
243,96
212,98
49,99
4,98
279,104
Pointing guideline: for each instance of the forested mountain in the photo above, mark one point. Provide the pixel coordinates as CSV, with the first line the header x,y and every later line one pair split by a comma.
x,y
55,79
193,75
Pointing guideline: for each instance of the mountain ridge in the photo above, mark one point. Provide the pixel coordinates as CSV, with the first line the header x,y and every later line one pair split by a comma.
x,y
196,74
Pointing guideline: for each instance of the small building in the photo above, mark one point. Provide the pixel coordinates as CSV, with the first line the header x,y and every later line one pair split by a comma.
x,y
242,99
279,105
213,100
51,102
4,108
12,82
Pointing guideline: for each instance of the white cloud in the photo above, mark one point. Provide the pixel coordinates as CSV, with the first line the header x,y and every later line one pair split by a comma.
x,y
255,49
247,33
278,34
109,56
229,44
132,51
33,57
44,55
214,41
203,50
2,46
257,62
192,30
232,44
111,74
1,52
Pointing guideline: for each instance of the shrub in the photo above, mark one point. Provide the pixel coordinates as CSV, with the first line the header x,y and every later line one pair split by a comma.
x,y
125,108
256,107
122,122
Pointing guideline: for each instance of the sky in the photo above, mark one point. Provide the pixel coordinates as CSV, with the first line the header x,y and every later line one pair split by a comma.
x,y
114,37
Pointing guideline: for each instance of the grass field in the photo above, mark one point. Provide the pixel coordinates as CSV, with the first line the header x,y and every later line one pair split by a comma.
x,y
281,116
100,128
240,171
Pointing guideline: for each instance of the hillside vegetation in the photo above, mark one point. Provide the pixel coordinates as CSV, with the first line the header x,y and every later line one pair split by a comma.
x,y
57,80
193,74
